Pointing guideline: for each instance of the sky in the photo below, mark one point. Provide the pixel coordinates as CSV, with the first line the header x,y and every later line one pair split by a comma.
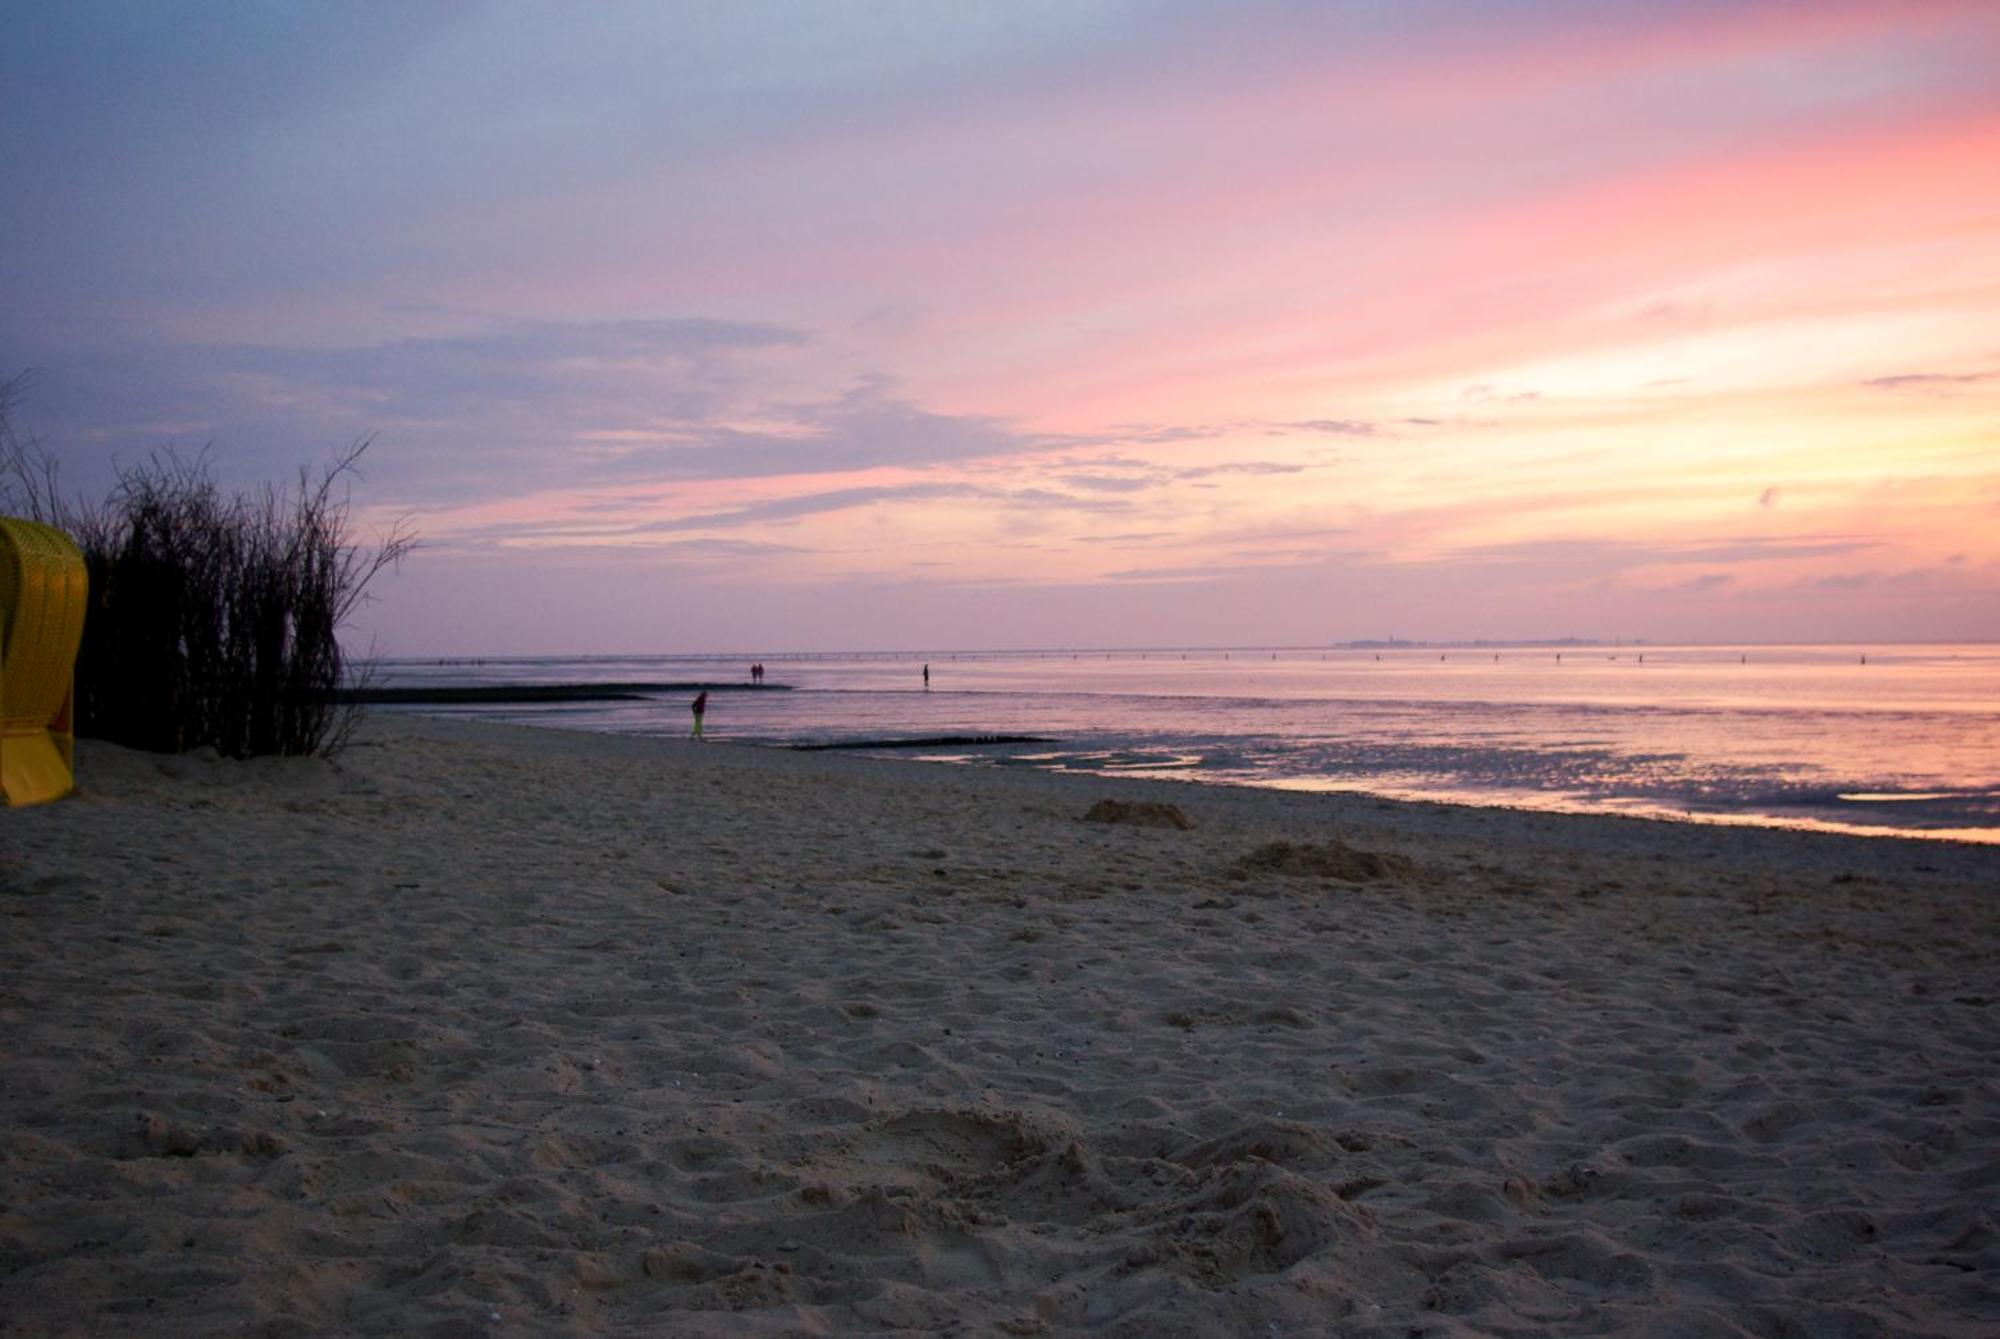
x,y
1043,323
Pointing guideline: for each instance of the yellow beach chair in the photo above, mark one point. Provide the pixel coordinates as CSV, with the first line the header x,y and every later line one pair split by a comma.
x,y
42,593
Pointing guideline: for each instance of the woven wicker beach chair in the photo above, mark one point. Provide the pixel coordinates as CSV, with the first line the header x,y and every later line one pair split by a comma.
x,y
42,594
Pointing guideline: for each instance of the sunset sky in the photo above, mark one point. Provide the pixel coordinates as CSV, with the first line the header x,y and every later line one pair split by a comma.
x,y
702,327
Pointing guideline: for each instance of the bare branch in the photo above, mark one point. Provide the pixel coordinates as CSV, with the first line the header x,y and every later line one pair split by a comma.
x,y
214,620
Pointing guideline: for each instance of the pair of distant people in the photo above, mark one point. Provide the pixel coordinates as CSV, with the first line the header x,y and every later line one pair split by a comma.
x,y
700,704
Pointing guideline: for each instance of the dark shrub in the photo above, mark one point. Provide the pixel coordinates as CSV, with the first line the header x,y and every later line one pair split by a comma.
x,y
213,619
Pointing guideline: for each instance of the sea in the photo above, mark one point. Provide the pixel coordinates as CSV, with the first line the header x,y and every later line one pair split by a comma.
x,y
1893,740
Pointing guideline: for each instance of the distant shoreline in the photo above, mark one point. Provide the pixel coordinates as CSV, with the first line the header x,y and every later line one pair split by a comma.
x,y
1649,644
1744,746
502,693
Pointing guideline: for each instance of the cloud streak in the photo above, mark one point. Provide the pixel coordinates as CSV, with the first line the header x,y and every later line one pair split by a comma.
x,y
1928,380
514,409
1610,555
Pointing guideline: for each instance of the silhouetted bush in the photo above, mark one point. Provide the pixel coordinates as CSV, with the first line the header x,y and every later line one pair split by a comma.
x,y
213,620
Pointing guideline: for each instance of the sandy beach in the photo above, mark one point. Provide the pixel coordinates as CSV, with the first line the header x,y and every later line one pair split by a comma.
x,y
486,1031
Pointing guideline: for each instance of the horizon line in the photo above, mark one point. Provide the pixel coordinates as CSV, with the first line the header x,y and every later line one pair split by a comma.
x,y
1363,644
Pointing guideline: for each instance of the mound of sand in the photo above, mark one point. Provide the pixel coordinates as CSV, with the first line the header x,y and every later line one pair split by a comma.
x,y
1329,860
1139,813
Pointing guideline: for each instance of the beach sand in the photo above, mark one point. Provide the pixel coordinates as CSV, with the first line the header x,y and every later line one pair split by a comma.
x,y
481,1030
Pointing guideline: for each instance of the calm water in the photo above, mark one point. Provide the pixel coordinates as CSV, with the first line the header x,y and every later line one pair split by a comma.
x,y
1907,742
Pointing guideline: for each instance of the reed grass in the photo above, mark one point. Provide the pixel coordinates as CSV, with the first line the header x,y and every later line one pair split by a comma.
x,y
214,618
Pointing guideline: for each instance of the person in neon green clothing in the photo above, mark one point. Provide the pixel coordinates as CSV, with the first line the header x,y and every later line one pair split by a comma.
x,y
700,705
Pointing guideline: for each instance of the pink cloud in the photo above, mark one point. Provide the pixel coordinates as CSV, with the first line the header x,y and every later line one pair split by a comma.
x,y
1530,277
1243,214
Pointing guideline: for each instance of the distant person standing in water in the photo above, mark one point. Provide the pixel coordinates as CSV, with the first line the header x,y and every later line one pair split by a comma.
x,y
927,676
700,705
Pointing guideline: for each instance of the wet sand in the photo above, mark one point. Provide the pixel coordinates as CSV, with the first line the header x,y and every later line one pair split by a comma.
x,y
482,1031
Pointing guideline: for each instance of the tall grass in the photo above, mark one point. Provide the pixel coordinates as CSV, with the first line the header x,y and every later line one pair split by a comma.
x,y
213,619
